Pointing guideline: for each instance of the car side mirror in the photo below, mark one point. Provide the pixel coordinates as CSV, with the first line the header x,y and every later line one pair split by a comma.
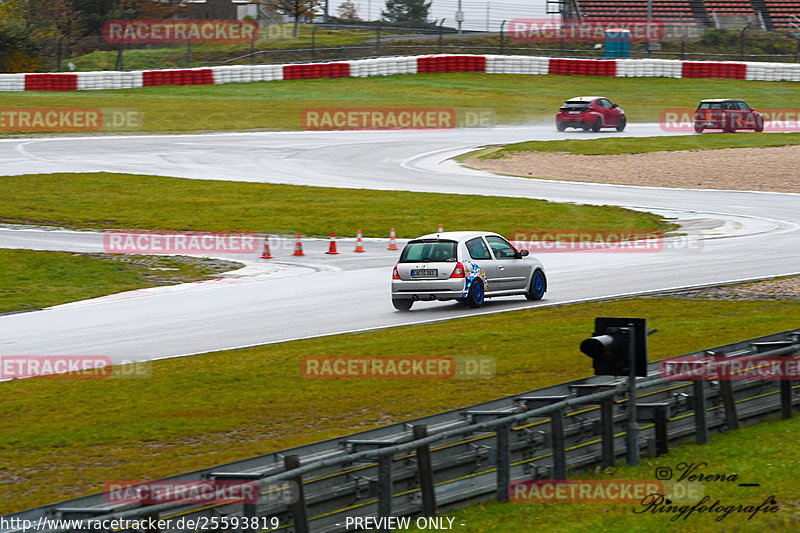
x,y
521,254
614,106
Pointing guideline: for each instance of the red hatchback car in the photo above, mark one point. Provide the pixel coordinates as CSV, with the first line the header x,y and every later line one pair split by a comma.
x,y
590,113
727,115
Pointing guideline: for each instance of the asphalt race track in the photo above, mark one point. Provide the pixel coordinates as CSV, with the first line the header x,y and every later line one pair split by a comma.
x,y
732,236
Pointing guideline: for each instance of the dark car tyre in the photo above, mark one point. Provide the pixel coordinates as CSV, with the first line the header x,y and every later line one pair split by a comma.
x,y
728,126
402,304
698,128
475,296
538,286
598,123
561,126
759,124
622,123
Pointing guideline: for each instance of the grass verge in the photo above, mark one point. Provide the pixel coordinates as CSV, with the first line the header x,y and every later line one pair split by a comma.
x,y
278,105
762,453
33,280
214,408
640,145
126,201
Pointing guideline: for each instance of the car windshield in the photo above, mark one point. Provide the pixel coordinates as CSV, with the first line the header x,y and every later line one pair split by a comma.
x,y
433,251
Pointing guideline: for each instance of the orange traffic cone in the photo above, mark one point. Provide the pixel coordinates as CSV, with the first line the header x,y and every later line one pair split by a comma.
x,y
332,247
265,254
359,246
441,229
392,244
298,248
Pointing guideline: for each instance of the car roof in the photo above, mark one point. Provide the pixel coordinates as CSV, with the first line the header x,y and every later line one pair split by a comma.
x,y
714,100
455,235
584,98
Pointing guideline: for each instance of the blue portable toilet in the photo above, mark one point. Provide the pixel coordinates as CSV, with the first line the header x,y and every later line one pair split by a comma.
x,y
618,43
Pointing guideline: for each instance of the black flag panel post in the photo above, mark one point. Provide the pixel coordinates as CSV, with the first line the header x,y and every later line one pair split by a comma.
x,y
618,347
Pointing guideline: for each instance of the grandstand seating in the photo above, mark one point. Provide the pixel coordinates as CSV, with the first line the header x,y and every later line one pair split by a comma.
x,y
730,8
670,12
780,12
776,13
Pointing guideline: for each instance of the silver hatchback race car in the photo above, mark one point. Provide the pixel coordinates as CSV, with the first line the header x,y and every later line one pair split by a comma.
x,y
467,266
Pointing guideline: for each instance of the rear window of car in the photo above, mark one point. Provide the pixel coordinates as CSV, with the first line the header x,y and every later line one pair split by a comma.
x,y
433,251
710,105
575,105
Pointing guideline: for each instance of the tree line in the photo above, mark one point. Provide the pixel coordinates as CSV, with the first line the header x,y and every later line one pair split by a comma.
x,y
31,31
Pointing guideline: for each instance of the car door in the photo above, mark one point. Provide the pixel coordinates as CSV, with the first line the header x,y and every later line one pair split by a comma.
x,y
747,117
736,117
512,271
611,114
478,253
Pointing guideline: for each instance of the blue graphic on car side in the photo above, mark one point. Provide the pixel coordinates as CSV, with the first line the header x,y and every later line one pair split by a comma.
x,y
474,273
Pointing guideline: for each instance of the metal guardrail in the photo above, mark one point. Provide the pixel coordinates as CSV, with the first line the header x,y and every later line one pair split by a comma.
x,y
443,460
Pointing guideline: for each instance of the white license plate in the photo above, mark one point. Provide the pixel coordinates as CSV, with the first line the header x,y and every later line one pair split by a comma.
x,y
573,112
425,273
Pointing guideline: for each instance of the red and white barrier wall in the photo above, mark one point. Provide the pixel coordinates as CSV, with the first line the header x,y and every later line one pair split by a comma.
x,y
387,66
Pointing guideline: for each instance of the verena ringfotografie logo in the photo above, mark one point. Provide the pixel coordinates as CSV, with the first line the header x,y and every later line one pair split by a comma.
x,y
549,30
185,492
69,119
186,243
598,241
701,368
71,367
180,31
773,119
398,367
410,118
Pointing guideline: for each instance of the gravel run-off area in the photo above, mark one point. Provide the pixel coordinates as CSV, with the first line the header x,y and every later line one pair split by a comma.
x,y
746,169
